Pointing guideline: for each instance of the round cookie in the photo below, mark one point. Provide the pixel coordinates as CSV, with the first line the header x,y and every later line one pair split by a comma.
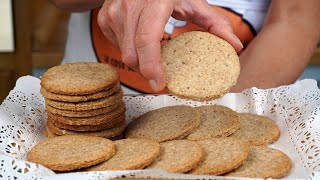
x,y
67,153
216,121
79,78
110,117
221,155
256,130
107,133
79,98
131,154
163,124
87,113
264,162
49,134
199,65
178,156
87,105
108,125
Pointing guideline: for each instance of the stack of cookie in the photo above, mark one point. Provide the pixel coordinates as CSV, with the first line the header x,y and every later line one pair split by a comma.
x,y
83,98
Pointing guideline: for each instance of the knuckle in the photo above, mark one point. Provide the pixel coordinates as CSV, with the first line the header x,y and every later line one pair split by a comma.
x,y
142,40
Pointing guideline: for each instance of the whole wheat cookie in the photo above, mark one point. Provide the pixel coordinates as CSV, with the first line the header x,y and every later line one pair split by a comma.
x,y
107,133
199,65
131,154
67,153
117,121
49,134
264,162
79,78
110,118
163,124
87,113
79,98
221,156
87,105
256,130
216,121
178,156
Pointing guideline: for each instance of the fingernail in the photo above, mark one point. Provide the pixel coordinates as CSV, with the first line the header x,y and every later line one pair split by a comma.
x,y
238,42
154,85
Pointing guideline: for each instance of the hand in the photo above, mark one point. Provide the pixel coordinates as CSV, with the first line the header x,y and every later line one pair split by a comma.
x,y
137,27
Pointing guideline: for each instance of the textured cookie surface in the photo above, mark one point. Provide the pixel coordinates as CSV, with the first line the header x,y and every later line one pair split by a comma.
x,y
199,65
131,154
163,124
117,121
264,162
87,105
93,120
86,113
178,156
66,153
79,78
108,133
79,98
256,129
216,121
221,155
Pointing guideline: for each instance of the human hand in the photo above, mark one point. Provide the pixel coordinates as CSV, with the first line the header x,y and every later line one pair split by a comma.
x,y
137,27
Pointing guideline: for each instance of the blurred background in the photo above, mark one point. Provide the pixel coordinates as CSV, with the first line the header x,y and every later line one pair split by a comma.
x,y
32,39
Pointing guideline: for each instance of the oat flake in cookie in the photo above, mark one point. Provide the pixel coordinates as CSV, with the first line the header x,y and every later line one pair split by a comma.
x,y
199,65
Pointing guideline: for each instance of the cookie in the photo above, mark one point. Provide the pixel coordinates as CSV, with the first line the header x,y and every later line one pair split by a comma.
x,y
178,156
256,130
79,78
110,117
131,154
163,124
87,113
67,153
221,156
199,65
87,105
264,162
79,98
216,121
49,134
108,125
107,133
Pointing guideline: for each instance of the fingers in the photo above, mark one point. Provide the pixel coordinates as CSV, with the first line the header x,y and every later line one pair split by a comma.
x,y
200,13
109,23
147,41
131,12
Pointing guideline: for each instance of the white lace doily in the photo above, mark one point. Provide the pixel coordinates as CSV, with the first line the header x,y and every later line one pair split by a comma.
x,y
295,108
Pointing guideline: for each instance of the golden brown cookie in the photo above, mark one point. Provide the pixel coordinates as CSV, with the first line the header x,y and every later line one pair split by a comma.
x,y
67,153
256,130
108,125
221,155
88,105
178,156
79,78
110,118
79,98
216,121
163,124
264,162
131,154
199,65
87,113
107,133
49,134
